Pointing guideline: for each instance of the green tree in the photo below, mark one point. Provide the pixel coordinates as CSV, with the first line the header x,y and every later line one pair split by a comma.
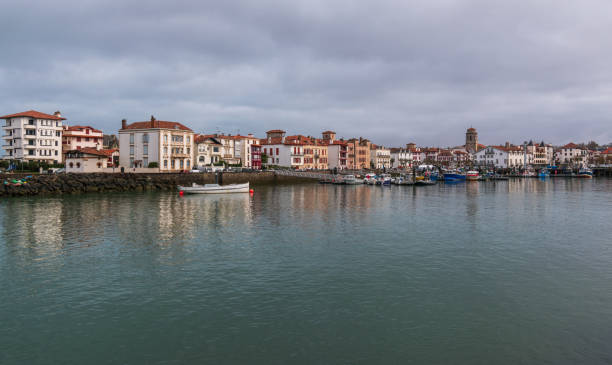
x,y
153,165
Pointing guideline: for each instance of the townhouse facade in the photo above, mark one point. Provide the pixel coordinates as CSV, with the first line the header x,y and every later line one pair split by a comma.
x,y
78,137
169,144
358,152
500,157
571,154
380,157
401,158
33,136
337,151
208,151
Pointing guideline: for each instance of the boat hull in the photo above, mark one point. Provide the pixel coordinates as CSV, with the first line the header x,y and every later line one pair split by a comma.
x,y
215,189
454,177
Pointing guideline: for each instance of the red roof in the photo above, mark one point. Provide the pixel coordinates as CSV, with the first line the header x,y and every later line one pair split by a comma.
x,y
33,114
327,132
608,151
276,131
570,145
156,124
92,151
78,128
199,138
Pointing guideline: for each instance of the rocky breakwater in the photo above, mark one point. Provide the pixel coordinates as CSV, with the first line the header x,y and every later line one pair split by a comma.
x,y
83,183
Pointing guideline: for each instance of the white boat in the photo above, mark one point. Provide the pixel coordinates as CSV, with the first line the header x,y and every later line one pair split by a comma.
x,y
352,180
370,179
472,176
215,188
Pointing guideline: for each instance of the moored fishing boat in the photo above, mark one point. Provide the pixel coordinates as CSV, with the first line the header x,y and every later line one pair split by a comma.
x,y
472,175
214,188
585,173
370,179
454,176
351,180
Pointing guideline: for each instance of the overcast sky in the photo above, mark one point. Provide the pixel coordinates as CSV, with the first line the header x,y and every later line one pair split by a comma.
x,y
393,71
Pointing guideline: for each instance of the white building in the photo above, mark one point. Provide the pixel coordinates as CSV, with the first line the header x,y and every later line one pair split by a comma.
x,y
33,136
571,154
380,157
169,144
208,151
88,160
280,152
77,137
401,158
242,149
500,157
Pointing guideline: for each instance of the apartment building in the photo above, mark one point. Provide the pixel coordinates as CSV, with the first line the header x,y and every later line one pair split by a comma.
x,y
33,136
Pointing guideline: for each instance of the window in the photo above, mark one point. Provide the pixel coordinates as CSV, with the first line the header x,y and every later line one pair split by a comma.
x,y
57,133
188,163
181,163
145,138
172,163
188,150
166,164
132,138
71,165
188,139
215,149
99,165
87,131
131,150
56,143
131,161
145,162
78,165
78,139
145,149
56,153
165,138
277,151
165,150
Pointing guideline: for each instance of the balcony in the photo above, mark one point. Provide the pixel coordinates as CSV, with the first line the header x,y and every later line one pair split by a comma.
x,y
30,136
30,146
179,155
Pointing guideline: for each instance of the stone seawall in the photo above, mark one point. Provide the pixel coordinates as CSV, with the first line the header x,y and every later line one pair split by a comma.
x,y
81,183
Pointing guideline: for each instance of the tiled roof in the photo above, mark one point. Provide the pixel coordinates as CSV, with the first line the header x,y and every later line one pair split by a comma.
x,y
199,138
276,131
33,114
326,132
608,151
570,145
92,151
78,128
157,124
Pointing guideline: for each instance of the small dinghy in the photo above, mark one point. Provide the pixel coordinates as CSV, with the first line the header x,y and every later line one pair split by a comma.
x,y
214,188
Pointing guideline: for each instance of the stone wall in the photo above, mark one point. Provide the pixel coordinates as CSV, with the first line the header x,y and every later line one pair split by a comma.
x,y
101,182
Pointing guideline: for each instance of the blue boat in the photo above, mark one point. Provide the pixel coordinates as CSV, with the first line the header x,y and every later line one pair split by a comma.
x,y
544,173
453,176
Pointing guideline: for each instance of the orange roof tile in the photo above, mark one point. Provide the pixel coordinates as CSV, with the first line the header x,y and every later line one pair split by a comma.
x,y
157,124
33,114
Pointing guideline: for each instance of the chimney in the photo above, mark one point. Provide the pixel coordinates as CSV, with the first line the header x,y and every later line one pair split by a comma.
x,y
152,121
123,123
507,144
58,114
250,135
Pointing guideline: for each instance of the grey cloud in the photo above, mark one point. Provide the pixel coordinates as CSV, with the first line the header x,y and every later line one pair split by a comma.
x,y
394,71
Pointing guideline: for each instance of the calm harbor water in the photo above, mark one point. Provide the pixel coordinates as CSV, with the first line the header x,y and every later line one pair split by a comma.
x,y
499,272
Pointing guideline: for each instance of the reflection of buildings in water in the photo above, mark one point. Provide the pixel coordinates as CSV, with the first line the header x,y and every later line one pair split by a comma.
x,y
33,225
472,192
180,216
